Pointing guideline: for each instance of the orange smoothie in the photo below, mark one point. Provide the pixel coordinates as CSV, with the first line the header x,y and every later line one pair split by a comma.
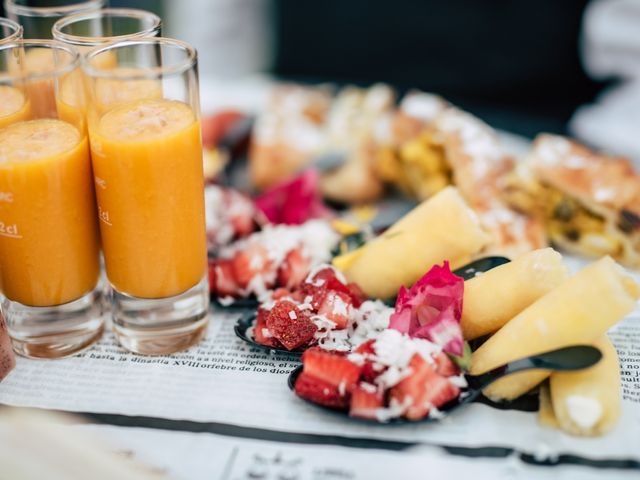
x,y
14,106
147,160
48,229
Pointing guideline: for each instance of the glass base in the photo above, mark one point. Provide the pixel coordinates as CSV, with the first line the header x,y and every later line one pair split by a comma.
x,y
164,325
58,331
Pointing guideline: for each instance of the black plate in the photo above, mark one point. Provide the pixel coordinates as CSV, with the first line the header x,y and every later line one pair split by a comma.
x,y
238,304
247,320
469,396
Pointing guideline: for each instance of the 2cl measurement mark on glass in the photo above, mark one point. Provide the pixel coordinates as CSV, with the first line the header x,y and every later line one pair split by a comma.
x,y
10,231
104,216
100,182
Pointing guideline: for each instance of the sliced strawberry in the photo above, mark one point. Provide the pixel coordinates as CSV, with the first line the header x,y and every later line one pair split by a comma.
x,y
261,332
356,294
280,293
322,276
411,390
332,368
366,348
294,269
336,306
250,262
365,403
444,365
321,392
291,326
243,224
222,278
439,391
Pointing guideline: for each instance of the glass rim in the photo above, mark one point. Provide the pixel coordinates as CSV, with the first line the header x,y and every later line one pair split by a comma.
x,y
15,34
57,71
82,40
149,72
52,11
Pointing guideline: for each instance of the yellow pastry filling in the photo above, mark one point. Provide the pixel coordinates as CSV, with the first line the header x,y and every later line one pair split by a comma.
x,y
418,167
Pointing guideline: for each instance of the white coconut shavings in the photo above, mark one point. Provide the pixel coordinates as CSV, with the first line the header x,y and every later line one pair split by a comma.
x,y
422,106
368,387
226,301
364,323
319,282
266,333
292,315
551,149
478,140
394,410
356,358
458,380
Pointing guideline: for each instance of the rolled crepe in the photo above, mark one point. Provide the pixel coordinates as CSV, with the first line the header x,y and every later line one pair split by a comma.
x,y
578,311
7,358
441,228
495,297
587,402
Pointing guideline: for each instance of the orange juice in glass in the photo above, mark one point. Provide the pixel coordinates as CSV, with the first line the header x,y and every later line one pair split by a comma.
x,y
49,237
147,158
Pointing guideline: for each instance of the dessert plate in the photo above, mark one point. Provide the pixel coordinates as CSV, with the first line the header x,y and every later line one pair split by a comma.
x,y
571,358
247,320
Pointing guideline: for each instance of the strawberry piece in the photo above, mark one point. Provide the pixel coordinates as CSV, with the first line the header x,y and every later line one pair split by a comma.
x,y
242,224
291,326
250,262
444,365
366,348
321,392
336,306
216,126
332,368
222,279
356,294
259,334
365,403
294,269
322,276
280,293
412,389
439,391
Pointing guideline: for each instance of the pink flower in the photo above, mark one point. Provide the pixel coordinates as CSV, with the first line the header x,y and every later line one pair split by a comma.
x,y
295,201
432,308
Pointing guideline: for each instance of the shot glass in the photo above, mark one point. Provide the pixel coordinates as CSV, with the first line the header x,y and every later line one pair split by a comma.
x,y
49,237
37,17
97,28
10,31
146,152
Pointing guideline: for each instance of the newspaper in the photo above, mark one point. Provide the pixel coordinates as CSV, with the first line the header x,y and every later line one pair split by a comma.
x,y
204,456
225,381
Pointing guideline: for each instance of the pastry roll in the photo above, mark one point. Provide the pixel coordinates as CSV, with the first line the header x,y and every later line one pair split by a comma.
x,y
578,311
519,283
442,228
587,402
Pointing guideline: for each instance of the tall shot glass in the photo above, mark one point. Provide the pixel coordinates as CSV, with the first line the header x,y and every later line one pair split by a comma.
x,y
10,31
98,27
147,162
38,16
49,243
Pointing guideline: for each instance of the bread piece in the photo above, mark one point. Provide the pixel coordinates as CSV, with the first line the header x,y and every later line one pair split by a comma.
x,y
441,228
589,202
578,311
519,283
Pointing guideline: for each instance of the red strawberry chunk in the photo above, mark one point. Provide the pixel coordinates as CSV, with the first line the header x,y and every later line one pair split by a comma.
x,y
356,294
336,306
371,371
250,262
261,332
222,279
291,326
366,348
321,392
332,368
364,403
439,391
294,269
412,389
322,276
280,293
444,365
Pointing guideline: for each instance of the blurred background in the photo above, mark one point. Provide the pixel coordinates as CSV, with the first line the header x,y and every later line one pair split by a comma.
x,y
562,66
